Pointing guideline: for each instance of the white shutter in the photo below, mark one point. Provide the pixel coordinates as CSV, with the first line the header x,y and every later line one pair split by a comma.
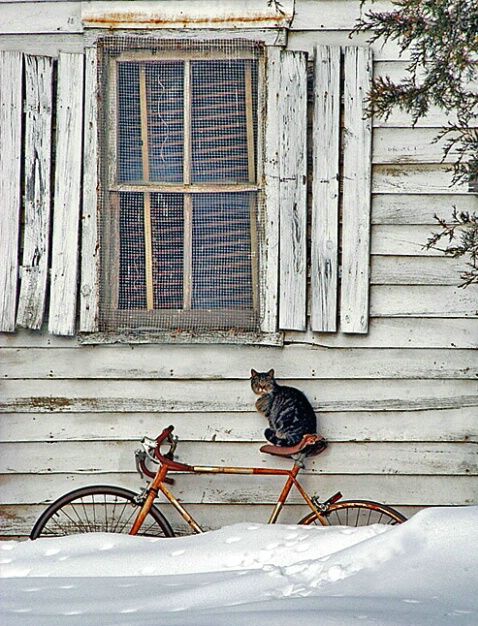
x,y
325,189
292,191
10,167
37,195
357,174
66,212
269,211
89,283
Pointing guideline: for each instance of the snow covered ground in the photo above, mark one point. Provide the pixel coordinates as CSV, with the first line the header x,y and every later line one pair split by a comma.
x,y
424,572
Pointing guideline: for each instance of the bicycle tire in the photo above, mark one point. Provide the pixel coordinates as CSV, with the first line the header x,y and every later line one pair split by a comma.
x,y
355,513
99,508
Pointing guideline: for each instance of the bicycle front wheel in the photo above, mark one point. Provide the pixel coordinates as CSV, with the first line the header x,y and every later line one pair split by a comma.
x,y
98,509
355,513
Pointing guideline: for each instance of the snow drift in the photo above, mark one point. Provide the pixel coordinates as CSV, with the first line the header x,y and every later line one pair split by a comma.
x,y
423,572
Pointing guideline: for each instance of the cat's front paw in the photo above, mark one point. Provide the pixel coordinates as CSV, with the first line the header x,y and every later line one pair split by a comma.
x,y
270,435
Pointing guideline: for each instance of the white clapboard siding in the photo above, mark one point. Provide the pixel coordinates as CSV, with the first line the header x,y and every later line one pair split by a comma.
x,y
37,18
410,145
98,396
404,240
325,189
10,187
436,179
269,211
424,301
359,426
393,489
292,191
408,209
37,190
331,14
405,270
66,210
342,458
202,363
354,299
89,273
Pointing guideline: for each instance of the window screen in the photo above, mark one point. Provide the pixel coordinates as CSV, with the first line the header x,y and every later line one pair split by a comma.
x,y
180,193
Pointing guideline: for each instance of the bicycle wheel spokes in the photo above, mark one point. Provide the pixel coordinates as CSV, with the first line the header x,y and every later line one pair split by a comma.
x,y
98,509
355,513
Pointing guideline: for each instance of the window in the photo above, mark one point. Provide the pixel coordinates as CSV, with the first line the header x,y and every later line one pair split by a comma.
x,y
179,208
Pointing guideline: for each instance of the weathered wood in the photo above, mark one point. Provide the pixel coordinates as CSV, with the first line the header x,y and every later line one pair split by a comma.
x,y
90,257
269,209
404,240
325,190
78,396
409,145
423,301
197,14
11,67
407,333
404,270
446,425
452,459
416,179
356,203
244,490
292,191
40,18
64,266
418,209
47,45
331,14
308,40
228,362
37,190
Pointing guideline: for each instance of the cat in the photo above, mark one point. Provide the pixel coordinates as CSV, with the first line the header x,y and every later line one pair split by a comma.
x,y
290,414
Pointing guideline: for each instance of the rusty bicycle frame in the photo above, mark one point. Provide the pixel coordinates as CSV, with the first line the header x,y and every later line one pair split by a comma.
x,y
168,464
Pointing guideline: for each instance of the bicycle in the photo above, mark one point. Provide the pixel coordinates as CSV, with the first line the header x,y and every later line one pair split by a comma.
x,y
105,508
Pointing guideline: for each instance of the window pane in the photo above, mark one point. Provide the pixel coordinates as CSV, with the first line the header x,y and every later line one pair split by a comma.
x,y
132,286
154,87
221,254
167,232
223,111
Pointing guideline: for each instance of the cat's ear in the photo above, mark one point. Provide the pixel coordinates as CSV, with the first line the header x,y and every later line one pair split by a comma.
x,y
253,373
270,373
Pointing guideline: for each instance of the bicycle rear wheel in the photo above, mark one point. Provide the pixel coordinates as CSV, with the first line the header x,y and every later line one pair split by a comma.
x,y
356,513
98,509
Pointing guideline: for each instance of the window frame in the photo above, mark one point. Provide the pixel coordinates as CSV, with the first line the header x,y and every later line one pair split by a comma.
x,y
113,187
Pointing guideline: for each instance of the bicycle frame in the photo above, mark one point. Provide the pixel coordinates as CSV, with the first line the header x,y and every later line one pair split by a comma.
x,y
167,464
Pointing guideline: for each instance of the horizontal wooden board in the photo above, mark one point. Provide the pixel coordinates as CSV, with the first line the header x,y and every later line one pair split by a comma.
x,y
330,14
206,490
341,458
405,240
307,40
44,45
406,270
407,332
72,396
408,146
415,179
429,425
419,208
40,18
423,301
231,362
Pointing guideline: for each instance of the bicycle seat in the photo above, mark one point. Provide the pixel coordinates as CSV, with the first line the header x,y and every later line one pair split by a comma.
x,y
309,445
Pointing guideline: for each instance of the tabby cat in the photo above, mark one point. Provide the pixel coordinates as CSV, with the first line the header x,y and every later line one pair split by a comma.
x,y
289,412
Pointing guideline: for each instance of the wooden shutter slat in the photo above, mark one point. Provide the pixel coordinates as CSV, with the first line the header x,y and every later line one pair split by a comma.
x,y
325,189
292,191
10,190
269,209
356,192
64,270
37,197
89,285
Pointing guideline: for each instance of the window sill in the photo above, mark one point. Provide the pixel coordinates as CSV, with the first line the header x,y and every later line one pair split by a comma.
x,y
217,337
